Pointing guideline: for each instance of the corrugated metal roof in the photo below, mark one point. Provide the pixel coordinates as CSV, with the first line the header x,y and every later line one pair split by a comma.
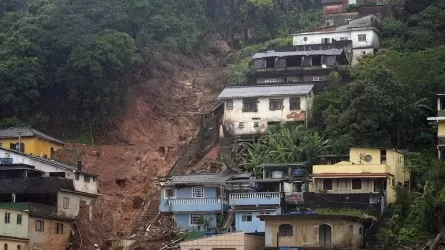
x,y
198,179
265,91
26,132
330,52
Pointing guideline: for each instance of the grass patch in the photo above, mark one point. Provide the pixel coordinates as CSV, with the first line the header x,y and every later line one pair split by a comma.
x,y
342,211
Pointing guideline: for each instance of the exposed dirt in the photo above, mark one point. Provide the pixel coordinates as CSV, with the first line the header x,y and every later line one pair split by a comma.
x,y
160,118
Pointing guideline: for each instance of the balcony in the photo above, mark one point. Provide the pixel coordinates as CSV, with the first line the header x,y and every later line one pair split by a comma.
x,y
254,199
351,169
194,205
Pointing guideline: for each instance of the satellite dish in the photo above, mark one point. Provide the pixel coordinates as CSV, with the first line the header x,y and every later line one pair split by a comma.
x,y
323,66
305,38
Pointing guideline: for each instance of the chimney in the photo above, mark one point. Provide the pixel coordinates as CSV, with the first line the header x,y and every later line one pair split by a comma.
x,y
79,166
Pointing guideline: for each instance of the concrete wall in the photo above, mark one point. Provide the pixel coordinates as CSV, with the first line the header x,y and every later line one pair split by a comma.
x,y
183,221
80,184
236,115
344,233
13,244
256,225
13,229
48,239
74,204
33,145
238,241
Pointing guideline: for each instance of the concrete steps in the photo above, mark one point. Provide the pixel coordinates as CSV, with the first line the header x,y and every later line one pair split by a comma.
x,y
375,242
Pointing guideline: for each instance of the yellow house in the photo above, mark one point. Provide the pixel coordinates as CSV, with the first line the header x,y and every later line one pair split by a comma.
x,y
29,141
439,119
369,170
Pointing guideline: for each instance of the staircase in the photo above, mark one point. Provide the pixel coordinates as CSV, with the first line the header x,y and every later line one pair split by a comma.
x,y
149,215
229,219
373,241
185,159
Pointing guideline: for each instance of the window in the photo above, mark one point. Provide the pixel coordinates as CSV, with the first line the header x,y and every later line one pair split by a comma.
x,y
19,219
294,103
343,38
229,104
316,79
327,184
19,247
329,23
263,213
66,202
275,104
256,124
59,228
250,105
77,176
169,193
286,230
362,38
325,40
86,178
7,218
198,192
241,124
194,219
5,247
40,226
356,184
246,217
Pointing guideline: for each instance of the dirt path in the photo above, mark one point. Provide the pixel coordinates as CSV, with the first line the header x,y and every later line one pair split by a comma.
x,y
160,118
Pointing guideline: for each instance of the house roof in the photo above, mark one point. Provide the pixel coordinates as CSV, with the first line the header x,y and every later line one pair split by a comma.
x,y
331,1
27,132
198,179
265,91
49,162
350,175
363,22
329,52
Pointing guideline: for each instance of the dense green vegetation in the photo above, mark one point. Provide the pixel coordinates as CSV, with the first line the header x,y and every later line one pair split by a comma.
x,y
66,63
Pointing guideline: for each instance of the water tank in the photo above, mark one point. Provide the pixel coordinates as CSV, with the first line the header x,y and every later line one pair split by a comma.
x,y
6,160
277,174
298,172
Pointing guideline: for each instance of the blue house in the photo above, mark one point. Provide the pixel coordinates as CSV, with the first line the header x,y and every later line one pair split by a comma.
x,y
196,201
278,190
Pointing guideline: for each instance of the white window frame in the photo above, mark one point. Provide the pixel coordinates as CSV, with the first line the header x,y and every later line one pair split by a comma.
x,y
362,35
202,192
244,217
171,197
19,219
7,218
191,219
66,203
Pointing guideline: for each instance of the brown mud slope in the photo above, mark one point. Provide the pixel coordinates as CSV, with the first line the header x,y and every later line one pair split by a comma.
x,y
161,114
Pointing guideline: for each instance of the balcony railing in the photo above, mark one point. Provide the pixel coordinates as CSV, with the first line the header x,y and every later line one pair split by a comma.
x,y
195,201
259,198
193,205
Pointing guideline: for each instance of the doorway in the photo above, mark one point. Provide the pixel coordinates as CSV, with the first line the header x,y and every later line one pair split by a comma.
x,y
324,233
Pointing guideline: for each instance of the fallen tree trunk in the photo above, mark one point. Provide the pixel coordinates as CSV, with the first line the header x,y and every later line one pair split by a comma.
x,y
438,239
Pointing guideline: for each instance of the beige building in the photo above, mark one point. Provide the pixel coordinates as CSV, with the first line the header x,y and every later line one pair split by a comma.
x,y
32,226
231,241
369,170
13,229
325,231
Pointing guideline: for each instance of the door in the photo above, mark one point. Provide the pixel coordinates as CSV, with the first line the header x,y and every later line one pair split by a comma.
x,y
324,234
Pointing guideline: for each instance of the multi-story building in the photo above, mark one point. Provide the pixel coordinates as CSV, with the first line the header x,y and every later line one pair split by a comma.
x,y
26,178
251,110
29,141
303,66
368,171
439,120
363,33
32,226
196,201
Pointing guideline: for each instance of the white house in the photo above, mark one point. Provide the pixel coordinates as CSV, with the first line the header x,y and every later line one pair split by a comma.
x,y
252,109
363,33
